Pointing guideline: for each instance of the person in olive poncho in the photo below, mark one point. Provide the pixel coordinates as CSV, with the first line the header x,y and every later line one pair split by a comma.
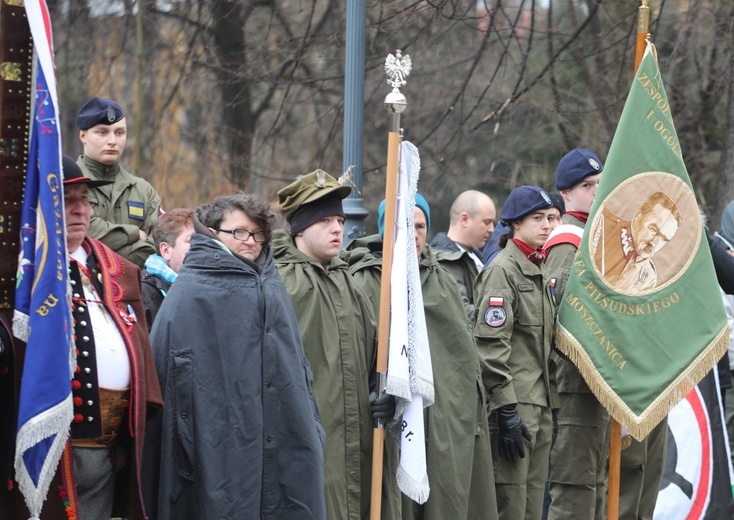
x,y
458,456
339,333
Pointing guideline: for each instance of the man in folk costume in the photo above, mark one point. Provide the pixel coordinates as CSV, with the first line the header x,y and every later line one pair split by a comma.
x,y
578,459
458,456
339,332
514,333
114,388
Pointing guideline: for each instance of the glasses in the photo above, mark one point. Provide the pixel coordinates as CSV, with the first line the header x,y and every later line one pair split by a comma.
x,y
243,235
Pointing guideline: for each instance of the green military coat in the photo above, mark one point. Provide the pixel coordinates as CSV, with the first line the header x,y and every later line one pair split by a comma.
x,y
514,331
121,210
458,454
339,334
559,264
461,266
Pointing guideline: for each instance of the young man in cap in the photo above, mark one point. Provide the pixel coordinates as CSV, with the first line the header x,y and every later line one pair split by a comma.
x,y
459,250
339,333
114,388
578,460
125,212
514,333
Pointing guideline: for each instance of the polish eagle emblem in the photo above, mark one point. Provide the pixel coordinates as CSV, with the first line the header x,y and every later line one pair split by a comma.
x,y
397,68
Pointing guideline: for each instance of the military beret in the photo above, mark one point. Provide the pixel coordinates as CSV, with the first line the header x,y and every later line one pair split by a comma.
x,y
523,201
557,201
309,188
98,111
73,174
575,166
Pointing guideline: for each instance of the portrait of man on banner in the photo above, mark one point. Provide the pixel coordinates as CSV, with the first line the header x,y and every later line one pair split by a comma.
x,y
633,227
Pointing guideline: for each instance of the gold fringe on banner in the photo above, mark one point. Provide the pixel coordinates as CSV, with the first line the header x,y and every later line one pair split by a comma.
x,y
639,426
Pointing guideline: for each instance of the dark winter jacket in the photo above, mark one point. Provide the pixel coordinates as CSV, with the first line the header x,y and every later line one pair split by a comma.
x,y
154,291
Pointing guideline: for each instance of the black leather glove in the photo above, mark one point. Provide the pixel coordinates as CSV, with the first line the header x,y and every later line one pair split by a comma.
x,y
511,432
554,411
382,407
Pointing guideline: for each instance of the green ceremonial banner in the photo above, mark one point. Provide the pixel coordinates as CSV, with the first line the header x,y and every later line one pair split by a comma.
x,y
642,316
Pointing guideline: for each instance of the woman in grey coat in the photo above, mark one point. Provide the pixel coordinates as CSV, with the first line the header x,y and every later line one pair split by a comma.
x,y
240,435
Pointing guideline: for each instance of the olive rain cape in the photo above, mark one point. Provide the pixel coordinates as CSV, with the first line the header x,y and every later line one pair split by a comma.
x,y
339,332
240,433
458,456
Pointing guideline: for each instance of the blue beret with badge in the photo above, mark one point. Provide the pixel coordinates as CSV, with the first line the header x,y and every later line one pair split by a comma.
x,y
523,201
575,166
99,111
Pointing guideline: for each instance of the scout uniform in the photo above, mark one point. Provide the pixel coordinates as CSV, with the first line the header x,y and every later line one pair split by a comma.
x,y
578,459
130,204
515,312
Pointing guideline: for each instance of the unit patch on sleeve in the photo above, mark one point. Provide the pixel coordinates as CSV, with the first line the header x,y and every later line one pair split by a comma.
x,y
136,210
495,315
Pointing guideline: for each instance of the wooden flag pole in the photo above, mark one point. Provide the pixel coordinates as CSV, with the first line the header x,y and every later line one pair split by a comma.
x,y
615,460
643,27
395,104
615,443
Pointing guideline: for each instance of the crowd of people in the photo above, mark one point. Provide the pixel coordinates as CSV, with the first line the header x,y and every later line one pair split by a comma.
x,y
226,368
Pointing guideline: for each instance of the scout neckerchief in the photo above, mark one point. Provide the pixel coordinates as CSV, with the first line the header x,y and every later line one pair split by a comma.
x,y
536,256
581,215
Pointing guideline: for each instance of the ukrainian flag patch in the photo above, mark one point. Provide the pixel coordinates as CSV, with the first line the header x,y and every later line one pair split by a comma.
x,y
136,210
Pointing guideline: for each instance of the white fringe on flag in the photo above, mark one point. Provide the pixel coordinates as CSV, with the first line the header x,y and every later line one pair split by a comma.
x,y
410,374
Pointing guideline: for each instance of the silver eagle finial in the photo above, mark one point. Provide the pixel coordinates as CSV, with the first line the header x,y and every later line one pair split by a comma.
x,y
397,68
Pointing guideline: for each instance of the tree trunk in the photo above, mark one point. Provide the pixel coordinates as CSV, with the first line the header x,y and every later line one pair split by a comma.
x,y
238,124
725,184
73,59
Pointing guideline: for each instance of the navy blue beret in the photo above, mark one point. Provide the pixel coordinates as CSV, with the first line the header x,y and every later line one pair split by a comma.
x,y
575,166
557,201
523,201
98,111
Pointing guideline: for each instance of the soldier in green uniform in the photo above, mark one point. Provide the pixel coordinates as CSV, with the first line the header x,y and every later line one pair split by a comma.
x,y
123,214
515,314
459,250
578,459
339,333
640,474
458,456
